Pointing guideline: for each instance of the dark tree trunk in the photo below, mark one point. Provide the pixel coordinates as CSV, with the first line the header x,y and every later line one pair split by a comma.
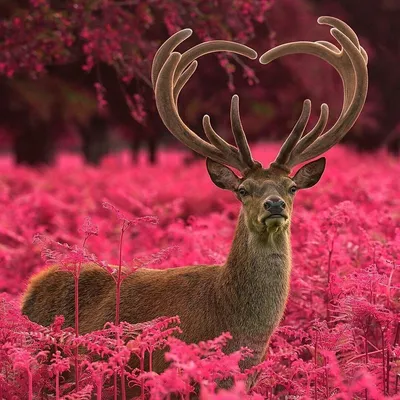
x,y
95,140
392,142
135,148
153,145
34,144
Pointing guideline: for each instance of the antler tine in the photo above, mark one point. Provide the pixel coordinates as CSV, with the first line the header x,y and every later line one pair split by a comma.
x,y
238,132
192,54
313,48
211,47
165,50
342,27
354,76
170,72
240,137
295,135
319,127
214,138
329,45
170,116
350,62
183,79
364,54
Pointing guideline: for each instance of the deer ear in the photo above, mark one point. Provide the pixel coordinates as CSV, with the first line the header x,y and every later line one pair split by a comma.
x,y
222,176
308,175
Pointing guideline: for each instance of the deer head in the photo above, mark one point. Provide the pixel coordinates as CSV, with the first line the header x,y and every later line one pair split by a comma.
x,y
266,193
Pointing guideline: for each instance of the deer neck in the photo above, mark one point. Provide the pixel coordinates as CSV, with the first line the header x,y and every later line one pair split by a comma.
x,y
255,281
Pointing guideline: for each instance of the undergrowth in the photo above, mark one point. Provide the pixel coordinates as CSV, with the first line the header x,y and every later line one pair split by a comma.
x,y
341,332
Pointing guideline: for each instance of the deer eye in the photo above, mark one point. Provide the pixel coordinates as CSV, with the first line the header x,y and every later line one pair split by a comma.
x,y
243,192
293,190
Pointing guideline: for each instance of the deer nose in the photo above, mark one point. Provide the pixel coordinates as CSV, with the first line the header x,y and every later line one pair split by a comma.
x,y
274,205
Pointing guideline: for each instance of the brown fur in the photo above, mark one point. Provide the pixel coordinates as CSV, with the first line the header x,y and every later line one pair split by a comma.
x,y
246,296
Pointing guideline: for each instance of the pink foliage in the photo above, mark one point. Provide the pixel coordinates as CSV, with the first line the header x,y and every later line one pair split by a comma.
x,y
340,335
121,34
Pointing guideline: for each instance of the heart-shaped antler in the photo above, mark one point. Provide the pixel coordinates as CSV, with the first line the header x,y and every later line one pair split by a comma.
x,y
351,63
170,72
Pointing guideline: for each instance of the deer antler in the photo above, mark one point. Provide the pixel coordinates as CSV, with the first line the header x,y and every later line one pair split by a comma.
x,y
170,72
351,63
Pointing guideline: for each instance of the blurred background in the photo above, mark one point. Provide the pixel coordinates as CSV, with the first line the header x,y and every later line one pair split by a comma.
x,y
75,75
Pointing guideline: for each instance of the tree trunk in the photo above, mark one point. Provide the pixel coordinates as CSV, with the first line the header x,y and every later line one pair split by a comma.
x,y
153,145
34,144
95,140
135,148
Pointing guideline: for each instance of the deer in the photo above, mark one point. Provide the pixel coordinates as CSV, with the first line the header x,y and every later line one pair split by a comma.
x,y
247,295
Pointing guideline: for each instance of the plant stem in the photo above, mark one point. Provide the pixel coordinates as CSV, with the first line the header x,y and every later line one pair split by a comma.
x,y
99,389
315,362
30,385
117,317
141,378
330,252
123,392
326,379
57,385
397,335
363,355
387,370
115,386
383,363
389,286
366,359
150,360
119,280
76,279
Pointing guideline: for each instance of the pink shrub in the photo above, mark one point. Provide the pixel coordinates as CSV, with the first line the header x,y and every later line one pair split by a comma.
x,y
341,332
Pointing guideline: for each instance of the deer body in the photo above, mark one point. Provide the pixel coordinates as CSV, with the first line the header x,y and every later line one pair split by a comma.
x,y
247,295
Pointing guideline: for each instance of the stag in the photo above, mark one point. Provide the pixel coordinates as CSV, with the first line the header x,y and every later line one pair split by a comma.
x,y
247,295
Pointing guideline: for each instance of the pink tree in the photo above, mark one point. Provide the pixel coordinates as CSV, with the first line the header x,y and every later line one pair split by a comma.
x,y
108,46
